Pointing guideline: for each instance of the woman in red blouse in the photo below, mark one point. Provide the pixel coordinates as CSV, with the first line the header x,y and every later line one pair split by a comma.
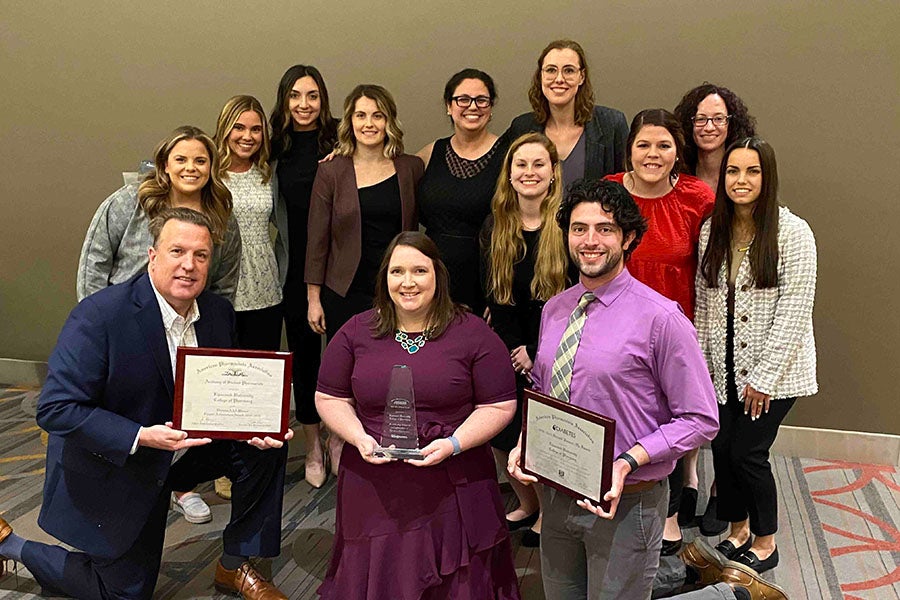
x,y
675,204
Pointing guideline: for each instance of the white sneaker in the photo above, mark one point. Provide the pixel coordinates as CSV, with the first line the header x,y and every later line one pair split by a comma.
x,y
192,506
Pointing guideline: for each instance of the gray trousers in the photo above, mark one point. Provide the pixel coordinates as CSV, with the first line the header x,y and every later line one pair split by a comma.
x,y
585,557
720,591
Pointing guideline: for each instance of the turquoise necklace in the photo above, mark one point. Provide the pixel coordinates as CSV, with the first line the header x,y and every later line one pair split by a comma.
x,y
411,345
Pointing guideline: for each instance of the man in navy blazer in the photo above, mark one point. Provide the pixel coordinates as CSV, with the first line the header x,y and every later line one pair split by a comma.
x,y
107,405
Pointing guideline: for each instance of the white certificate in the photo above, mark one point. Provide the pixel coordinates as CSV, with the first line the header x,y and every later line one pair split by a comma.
x,y
567,447
232,394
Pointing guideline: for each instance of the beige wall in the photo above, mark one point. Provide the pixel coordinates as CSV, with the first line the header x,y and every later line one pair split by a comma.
x,y
89,88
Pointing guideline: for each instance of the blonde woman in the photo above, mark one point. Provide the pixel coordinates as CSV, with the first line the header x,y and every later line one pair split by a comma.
x,y
361,199
186,174
242,136
526,265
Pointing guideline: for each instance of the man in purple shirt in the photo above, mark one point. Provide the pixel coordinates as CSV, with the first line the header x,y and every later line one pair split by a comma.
x,y
638,362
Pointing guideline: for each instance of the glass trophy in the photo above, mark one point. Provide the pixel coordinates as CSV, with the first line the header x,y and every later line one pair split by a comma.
x,y
399,435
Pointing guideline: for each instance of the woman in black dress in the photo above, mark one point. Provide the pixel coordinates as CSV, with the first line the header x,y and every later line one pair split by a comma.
x,y
461,172
303,131
525,265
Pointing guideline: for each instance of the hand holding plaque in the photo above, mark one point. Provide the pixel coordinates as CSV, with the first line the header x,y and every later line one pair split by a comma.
x,y
232,394
567,447
400,433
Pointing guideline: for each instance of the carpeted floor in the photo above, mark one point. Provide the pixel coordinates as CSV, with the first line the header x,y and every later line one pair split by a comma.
x,y
838,538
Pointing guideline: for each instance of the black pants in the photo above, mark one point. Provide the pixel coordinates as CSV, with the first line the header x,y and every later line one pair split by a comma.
x,y
340,309
744,482
676,483
254,528
306,345
259,329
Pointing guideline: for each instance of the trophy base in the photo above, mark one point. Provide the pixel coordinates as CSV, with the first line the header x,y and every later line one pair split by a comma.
x,y
399,453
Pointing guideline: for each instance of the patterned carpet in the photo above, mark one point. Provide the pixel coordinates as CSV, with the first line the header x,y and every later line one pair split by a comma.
x,y
838,539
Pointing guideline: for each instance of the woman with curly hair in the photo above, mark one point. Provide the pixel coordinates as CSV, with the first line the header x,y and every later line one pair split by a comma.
x,y
590,138
186,174
715,117
525,259
712,117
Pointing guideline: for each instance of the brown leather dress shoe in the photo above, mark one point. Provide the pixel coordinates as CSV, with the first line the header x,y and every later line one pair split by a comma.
x,y
246,583
736,574
704,559
5,530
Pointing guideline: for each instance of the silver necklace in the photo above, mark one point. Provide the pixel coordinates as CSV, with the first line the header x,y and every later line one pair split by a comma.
x,y
411,345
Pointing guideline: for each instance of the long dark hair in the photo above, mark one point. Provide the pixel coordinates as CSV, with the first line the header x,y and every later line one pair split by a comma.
x,y
281,121
741,125
442,310
763,253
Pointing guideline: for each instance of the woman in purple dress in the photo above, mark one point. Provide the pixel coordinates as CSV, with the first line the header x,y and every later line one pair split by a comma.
x,y
431,528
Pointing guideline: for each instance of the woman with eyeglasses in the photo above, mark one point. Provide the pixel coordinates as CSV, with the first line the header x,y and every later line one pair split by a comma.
x,y
590,138
715,117
454,195
755,292
674,204
712,117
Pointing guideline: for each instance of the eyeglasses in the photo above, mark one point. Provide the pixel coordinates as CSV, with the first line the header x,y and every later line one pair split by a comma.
x,y
700,121
569,72
466,101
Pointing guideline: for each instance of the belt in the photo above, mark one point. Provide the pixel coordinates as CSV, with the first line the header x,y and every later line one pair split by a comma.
x,y
641,486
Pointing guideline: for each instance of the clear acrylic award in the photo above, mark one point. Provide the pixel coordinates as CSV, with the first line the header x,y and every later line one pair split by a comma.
x,y
399,435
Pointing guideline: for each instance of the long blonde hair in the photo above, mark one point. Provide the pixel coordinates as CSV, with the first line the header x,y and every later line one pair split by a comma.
x,y
507,242
231,112
215,199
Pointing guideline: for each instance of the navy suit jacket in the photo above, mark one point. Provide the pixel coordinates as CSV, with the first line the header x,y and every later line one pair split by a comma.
x,y
110,374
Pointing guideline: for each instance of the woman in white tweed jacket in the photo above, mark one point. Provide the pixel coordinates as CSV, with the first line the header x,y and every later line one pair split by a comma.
x,y
755,291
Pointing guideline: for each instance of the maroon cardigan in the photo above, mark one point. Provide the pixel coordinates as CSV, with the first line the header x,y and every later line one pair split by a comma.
x,y
334,243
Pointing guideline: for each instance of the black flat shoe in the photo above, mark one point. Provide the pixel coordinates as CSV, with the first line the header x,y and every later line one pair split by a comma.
x,y
730,552
670,547
710,525
750,559
687,511
531,539
526,522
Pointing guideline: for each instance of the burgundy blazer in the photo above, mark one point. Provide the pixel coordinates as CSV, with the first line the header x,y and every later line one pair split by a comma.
x,y
334,243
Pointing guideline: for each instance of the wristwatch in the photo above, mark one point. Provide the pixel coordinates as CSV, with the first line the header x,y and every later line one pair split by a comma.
x,y
630,460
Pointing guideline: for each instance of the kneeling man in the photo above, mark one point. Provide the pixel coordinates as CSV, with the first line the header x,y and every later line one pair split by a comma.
x,y
107,405
613,346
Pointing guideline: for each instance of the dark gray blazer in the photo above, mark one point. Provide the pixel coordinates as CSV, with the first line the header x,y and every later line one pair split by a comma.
x,y
605,134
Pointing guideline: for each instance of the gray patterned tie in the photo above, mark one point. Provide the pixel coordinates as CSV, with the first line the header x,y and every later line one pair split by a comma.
x,y
561,375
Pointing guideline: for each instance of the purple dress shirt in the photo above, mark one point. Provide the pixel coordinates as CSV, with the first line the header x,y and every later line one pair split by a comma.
x,y
638,363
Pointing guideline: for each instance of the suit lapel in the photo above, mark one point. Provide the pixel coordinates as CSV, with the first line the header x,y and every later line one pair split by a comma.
x,y
150,321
